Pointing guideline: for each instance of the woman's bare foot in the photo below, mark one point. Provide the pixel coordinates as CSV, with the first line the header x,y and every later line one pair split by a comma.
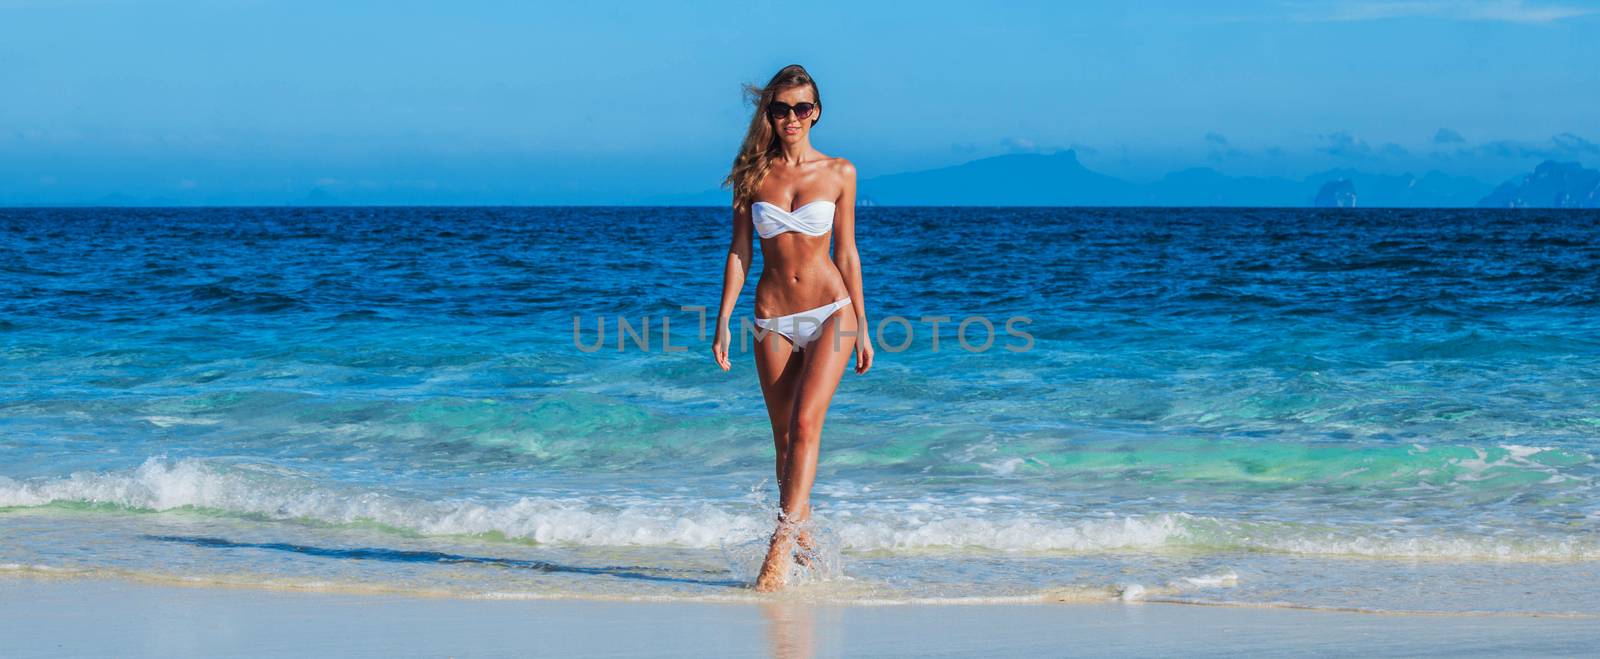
x,y
772,575
775,570
808,548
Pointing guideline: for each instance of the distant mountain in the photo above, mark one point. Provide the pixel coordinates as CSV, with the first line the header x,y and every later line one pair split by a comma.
x,y
1433,190
1551,185
1009,180
1338,193
1060,180
1203,186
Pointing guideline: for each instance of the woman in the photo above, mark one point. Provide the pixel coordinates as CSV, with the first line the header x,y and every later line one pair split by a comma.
x,y
809,315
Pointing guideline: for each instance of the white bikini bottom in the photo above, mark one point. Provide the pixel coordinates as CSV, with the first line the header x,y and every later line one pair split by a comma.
x,y
804,327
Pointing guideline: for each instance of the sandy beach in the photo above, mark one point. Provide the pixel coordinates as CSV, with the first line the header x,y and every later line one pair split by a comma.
x,y
1263,328
48,617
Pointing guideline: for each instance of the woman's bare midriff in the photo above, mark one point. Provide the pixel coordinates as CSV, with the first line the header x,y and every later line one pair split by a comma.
x,y
796,275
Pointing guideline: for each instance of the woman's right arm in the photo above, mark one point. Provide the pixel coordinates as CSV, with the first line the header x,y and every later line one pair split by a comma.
x,y
734,273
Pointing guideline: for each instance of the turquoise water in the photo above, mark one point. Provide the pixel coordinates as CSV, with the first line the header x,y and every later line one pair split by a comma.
x,y
1370,409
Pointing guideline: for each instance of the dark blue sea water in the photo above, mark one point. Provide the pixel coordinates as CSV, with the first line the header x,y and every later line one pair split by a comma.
x,y
1356,408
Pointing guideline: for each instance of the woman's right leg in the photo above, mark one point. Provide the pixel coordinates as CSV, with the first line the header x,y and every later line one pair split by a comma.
x,y
826,359
778,366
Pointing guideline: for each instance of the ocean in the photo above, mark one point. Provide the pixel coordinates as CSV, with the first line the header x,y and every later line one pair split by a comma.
x,y
1393,410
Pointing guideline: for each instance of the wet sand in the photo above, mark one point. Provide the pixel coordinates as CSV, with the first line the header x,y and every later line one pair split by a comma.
x,y
96,617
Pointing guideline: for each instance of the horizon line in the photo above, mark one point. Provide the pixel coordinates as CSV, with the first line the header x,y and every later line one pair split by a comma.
x,y
6,207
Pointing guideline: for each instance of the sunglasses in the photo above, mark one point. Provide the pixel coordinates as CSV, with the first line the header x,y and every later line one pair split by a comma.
x,y
779,110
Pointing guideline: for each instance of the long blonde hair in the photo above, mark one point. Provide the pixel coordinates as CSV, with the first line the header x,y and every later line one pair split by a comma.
x,y
761,143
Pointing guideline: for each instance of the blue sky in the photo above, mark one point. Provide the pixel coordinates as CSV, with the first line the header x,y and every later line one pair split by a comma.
x,y
238,101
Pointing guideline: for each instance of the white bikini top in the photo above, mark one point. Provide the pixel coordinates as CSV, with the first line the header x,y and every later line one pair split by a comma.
x,y
813,219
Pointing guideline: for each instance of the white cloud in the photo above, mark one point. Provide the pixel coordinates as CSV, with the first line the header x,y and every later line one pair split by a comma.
x,y
1507,11
1019,145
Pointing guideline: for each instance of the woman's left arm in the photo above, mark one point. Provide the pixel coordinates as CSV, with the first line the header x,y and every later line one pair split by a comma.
x,y
848,261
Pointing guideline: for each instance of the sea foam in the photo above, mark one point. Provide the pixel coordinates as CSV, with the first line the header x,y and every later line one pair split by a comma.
x,y
160,484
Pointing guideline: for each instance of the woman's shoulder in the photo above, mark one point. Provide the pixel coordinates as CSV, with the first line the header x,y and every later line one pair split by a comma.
x,y
842,167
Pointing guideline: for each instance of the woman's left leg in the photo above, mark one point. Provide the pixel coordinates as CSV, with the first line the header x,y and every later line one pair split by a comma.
x,y
825,361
